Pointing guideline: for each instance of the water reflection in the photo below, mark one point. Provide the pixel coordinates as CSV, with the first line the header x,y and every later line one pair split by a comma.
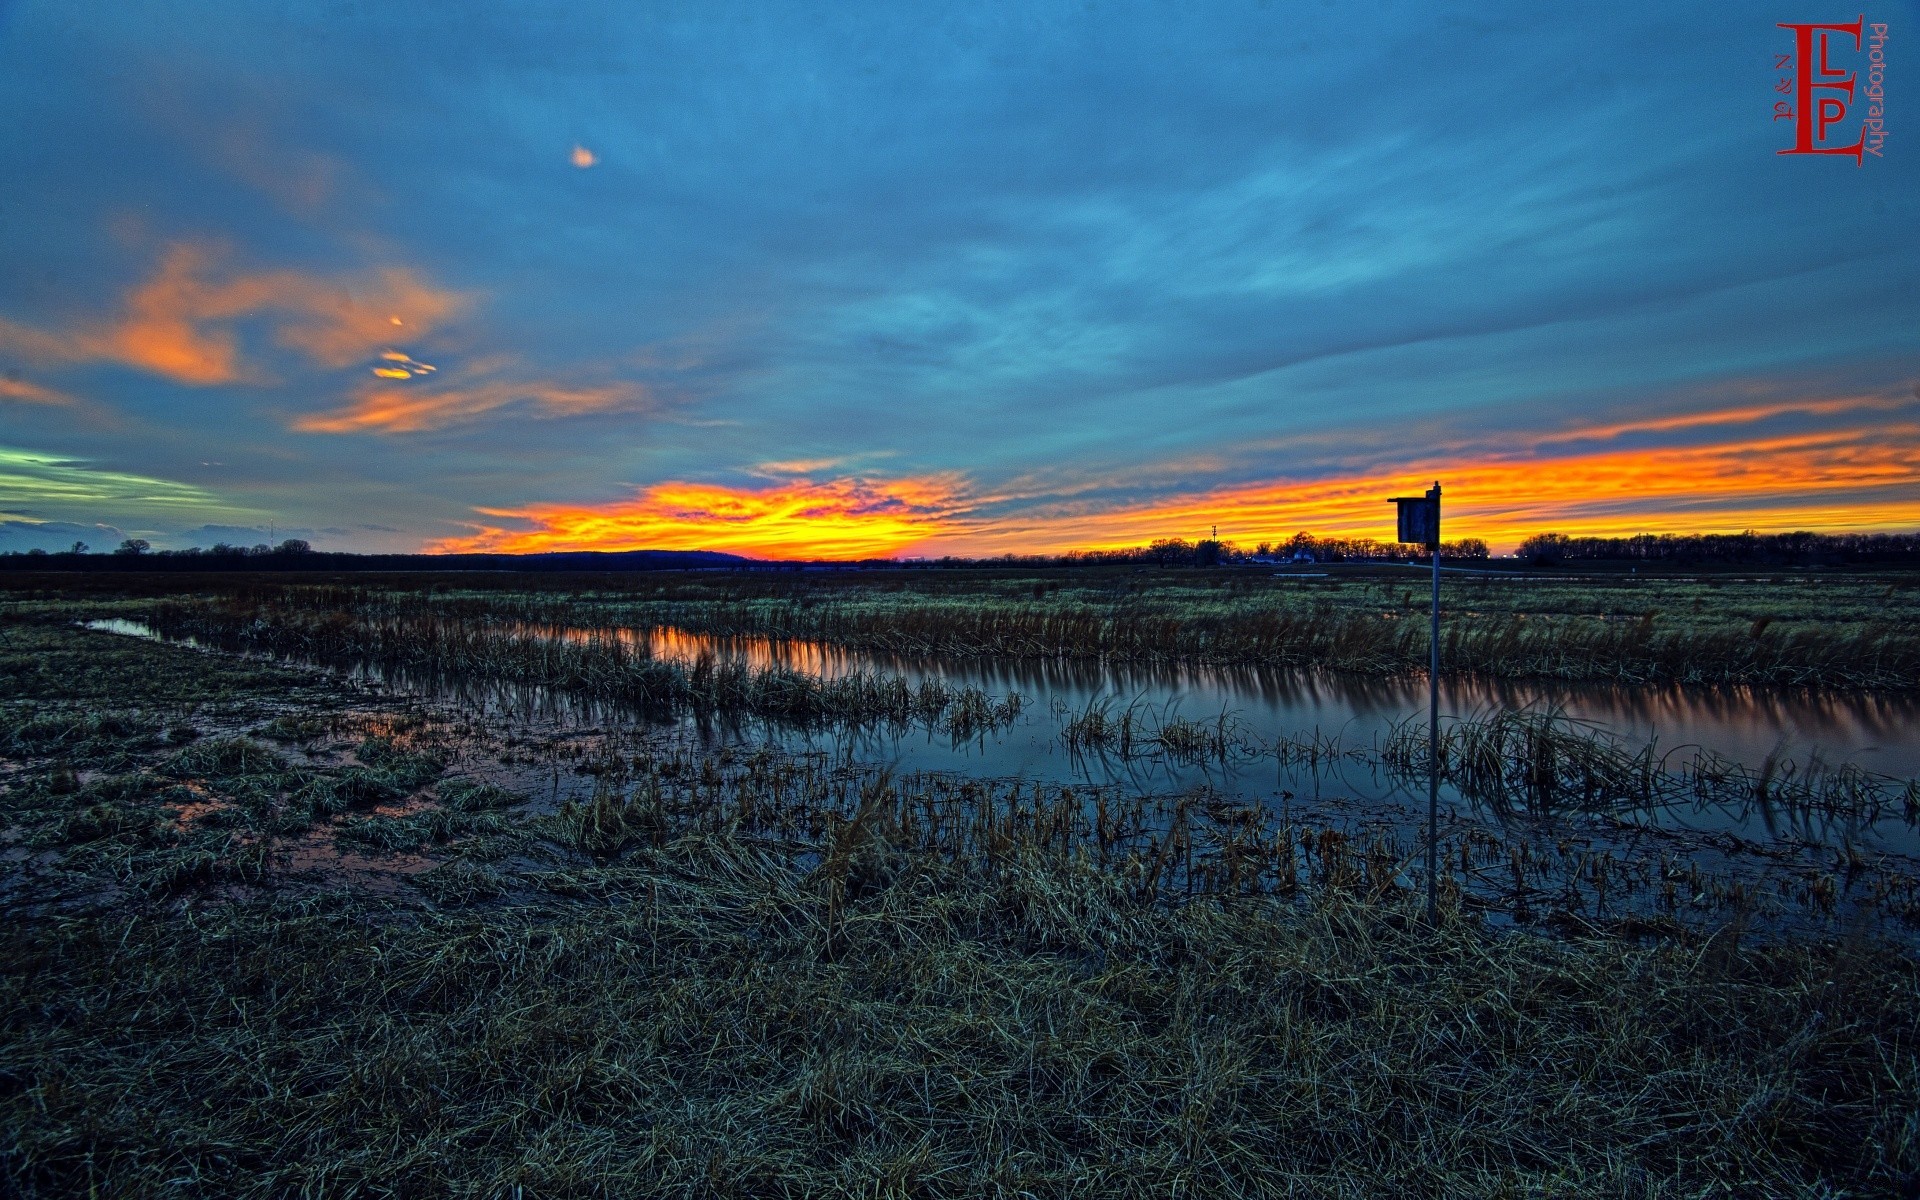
x,y
1880,733
1749,726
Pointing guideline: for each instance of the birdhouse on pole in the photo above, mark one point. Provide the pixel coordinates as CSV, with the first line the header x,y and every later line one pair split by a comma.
x,y
1420,525
1420,518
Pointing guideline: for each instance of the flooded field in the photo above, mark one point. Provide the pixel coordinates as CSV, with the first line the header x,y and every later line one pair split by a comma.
x,y
1275,736
563,848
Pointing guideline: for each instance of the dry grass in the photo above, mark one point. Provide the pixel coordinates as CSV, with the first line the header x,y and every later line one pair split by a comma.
x,y
709,1017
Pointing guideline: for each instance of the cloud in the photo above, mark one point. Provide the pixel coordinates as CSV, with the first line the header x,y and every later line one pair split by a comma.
x,y
181,322
420,407
26,392
839,518
301,181
32,482
1858,472
1746,415
16,536
236,535
1120,283
583,157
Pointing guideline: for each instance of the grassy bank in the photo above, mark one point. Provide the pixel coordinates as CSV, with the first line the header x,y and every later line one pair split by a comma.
x,y
708,1019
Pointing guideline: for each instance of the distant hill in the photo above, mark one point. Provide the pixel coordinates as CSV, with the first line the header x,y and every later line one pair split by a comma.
x,y
317,560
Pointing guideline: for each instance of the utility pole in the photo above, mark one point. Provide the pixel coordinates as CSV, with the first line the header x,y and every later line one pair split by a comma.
x,y
1420,523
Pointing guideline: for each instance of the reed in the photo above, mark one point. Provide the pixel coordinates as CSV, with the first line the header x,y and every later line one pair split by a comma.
x,y
1846,632
600,667
1542,761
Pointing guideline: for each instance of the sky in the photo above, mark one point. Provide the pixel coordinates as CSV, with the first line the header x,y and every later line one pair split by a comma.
x,y
904,279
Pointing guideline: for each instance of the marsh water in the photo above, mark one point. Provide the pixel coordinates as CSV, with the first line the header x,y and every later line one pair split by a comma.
x,y
1751,727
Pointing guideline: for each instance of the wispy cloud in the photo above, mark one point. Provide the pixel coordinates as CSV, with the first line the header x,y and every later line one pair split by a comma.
x,y
411,401
38,485
1860,471
1857,467
1126,291
26,392
182,322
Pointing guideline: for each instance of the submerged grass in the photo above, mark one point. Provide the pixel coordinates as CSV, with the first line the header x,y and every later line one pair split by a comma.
x,y
604,668
1804,630
1836,629
1541,761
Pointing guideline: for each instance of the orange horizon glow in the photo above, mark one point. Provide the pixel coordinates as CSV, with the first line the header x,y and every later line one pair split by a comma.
x,y
841,518
1860,477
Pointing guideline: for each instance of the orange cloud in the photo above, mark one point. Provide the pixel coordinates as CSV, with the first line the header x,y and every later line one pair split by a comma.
x,y
301,181
180,322
33,393
400,408
583,157
841,518
1859,474
1727,416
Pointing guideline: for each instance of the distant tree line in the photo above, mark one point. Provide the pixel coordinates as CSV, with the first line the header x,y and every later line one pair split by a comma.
x,y
294,554
1301,547
1785,549
1178,552
142,548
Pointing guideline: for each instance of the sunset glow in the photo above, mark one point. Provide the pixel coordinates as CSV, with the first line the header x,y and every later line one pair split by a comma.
x,y
842,518
807,287
1854,477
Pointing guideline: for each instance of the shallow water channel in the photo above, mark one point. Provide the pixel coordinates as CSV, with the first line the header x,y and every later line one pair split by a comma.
x,y
1751,727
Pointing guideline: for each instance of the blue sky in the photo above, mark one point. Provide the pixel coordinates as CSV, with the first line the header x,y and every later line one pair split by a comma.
x,y
984,277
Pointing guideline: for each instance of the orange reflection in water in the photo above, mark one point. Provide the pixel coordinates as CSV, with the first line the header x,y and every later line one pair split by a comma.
x,y
665,642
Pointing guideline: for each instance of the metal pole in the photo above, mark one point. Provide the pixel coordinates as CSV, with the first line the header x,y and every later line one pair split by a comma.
x,y
1433,732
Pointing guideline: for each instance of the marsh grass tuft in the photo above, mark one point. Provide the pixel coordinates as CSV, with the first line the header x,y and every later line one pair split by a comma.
x,y
599,667
1542,760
